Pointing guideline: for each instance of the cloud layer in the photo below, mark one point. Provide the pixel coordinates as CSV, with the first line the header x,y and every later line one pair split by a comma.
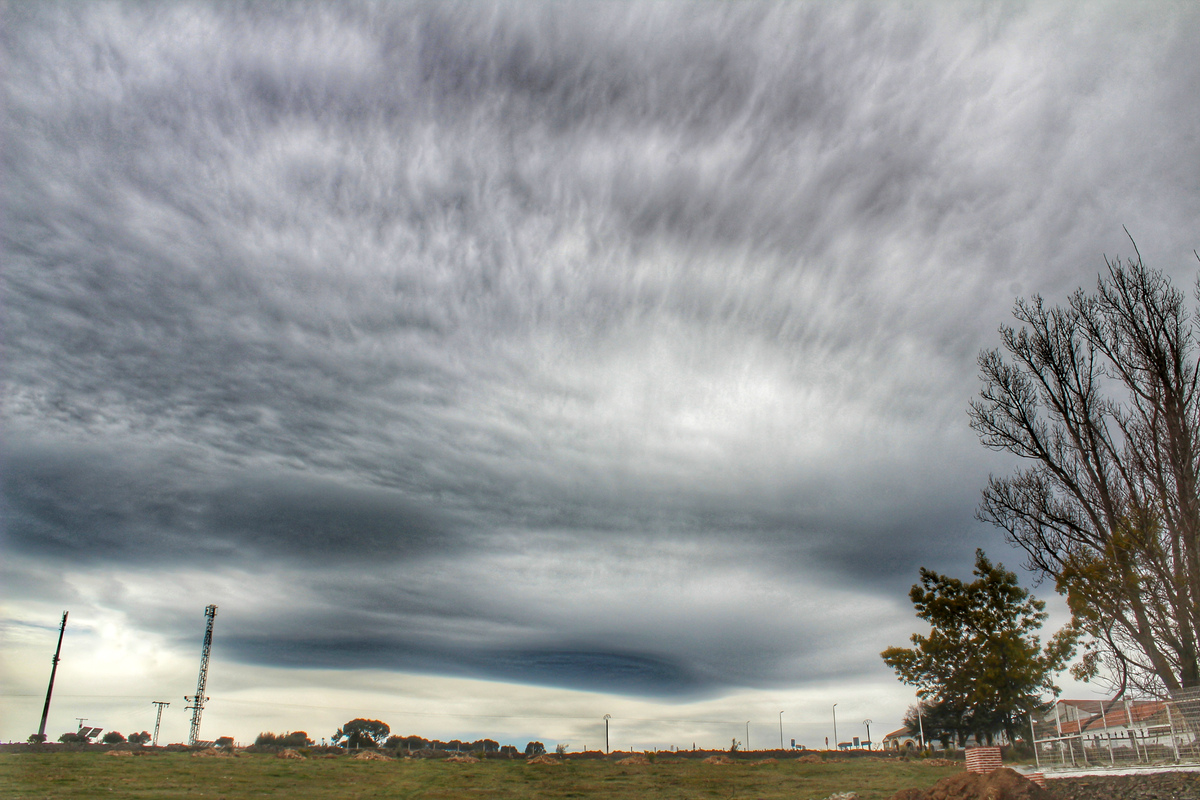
x,y
607,346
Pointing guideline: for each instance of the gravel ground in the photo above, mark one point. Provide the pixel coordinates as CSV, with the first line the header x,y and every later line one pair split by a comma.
x,y
1157,786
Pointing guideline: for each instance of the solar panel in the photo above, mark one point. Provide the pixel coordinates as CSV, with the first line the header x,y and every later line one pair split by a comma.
x,y
88,733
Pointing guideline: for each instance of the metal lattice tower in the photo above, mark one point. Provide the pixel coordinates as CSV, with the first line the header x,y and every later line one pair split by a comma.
x,y
157,719
199,699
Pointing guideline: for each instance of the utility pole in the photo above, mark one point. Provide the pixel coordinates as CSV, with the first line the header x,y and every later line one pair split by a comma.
x,y
607,717
199,699
53,670
158,719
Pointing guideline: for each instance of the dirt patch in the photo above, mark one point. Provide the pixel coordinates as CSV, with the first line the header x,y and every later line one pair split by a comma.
x,y
461,759
635,760
941,762
811,758
370,755
764,761
209,752
289,754
718,760
542,760
1154,786
119,753
1002,784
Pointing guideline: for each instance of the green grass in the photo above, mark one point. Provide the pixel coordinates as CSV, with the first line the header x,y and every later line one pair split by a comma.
x,y
178,775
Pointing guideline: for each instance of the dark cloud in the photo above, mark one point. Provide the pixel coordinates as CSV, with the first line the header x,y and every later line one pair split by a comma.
x,y
424,306
87,507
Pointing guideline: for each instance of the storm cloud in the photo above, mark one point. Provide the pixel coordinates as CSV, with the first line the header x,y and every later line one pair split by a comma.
x,y
599,345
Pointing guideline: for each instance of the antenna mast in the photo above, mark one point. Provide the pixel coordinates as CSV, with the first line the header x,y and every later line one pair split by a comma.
x,y
199,699
50,688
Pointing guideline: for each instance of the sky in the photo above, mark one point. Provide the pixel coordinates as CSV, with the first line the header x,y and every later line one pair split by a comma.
x,y
496,367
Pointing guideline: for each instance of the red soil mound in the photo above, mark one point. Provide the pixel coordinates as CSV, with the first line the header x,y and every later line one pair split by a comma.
x,y
1003,784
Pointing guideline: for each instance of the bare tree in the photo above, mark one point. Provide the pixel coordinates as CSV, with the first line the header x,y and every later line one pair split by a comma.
x,y
1100,398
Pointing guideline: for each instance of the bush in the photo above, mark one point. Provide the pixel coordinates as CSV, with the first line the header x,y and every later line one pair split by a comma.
x,y
113,737
561,749
535,749
292,739
72,738
36,738
139,738
224,741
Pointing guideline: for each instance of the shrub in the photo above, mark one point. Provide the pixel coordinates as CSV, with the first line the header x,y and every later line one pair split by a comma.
x,y
561,749
535,749
36,738
113,737
139,738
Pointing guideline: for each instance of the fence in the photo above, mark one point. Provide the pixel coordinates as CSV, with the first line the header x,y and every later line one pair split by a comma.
x,y
1095,734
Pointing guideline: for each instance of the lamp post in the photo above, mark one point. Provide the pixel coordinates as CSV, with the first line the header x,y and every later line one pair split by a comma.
x,y
867,722
780,730
747,734
835,741
607,717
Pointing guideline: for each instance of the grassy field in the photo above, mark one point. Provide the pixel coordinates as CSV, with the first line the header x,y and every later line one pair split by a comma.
x,y
178,775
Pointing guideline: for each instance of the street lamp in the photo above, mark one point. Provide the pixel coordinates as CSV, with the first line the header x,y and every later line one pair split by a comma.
x,y
607,717
835,741
780,730
867,722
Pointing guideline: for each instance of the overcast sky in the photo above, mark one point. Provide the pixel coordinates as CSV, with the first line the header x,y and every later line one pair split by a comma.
x,y
496,367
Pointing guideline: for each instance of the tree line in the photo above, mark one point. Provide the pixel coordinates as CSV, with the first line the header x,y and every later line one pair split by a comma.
x,y
1100,400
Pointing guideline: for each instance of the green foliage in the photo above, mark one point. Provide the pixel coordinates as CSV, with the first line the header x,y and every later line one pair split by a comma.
x,y
113,737
535,749
139,738
362,733
36,738
982,663
72,738
291,739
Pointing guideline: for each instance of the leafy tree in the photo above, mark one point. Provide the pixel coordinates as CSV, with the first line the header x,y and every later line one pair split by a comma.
x,y
362,733
535,749
139,738
941,721
1101,398
982,661
113,737
36,738
70,737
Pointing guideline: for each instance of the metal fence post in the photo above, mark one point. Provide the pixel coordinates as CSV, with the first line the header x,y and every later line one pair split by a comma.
x,y
1111,758
1034,741
1174,741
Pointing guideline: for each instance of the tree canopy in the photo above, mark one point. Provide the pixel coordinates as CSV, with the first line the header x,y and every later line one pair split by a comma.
x,y
1100,399
982,665
362,733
